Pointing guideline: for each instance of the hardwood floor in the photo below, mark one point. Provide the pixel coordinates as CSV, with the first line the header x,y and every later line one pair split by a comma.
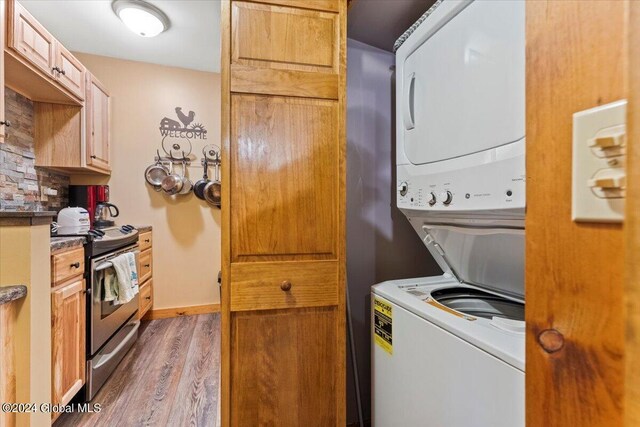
x,y
169,378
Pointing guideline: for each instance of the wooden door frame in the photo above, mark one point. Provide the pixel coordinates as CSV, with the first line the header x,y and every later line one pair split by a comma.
x,y
632,225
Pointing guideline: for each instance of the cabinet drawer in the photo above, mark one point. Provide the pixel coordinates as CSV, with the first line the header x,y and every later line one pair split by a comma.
x,y
146,298
276,285
66,265
145,264
145,240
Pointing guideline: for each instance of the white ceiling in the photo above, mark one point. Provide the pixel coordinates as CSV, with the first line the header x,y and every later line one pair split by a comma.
x,y
90,26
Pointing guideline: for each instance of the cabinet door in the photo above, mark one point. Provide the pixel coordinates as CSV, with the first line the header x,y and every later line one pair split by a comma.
x,y
97,105
283,305
3,29
70,72
68,340
31,40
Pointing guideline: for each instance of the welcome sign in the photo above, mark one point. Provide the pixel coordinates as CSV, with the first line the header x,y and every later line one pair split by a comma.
x,y
183,127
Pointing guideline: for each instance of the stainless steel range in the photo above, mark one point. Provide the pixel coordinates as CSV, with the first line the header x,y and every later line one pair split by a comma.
x,y
111,329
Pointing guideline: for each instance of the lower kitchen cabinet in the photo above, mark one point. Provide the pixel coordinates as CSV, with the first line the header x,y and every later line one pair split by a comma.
x,y
145,273
68,340
68,326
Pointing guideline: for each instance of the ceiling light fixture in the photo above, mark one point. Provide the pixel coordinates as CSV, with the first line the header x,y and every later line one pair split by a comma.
x,y
141,17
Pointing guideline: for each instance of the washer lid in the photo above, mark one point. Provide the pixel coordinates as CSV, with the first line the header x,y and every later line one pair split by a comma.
x,y
491,258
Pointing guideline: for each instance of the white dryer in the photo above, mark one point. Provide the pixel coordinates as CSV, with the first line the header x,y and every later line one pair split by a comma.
x,y
448,351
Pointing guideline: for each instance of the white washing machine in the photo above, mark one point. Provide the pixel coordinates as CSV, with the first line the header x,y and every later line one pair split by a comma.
x,y
448,351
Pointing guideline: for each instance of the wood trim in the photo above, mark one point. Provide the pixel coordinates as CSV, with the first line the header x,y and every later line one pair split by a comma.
x,y
326,5
8,314
632,226
225,291
192,310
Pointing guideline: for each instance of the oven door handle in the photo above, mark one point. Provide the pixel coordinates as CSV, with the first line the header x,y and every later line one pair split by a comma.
x,y
108,264
122,343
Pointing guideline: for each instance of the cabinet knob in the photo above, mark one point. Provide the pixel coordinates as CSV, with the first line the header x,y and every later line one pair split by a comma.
x,y
6,123
285,286
93,157
75,265
147,240
147,265
63,72
149,297
55,69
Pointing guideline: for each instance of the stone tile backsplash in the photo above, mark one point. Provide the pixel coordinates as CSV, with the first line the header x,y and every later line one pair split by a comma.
x,y
23,187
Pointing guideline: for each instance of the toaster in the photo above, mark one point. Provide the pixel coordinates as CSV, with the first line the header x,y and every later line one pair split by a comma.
x,y
73,221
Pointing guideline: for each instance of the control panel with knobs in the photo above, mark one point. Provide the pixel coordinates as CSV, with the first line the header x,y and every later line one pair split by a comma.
x,y
446,197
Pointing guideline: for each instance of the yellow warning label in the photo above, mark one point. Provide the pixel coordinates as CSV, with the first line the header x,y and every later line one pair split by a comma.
x,y
382,324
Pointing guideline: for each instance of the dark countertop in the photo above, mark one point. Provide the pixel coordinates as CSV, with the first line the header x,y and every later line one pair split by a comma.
x,y
143,228
12,293
9,218
68,242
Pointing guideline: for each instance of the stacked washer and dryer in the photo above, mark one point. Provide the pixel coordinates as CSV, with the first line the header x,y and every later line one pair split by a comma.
x,y
448,351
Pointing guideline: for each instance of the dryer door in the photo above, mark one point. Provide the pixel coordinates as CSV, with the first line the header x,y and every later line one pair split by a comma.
x,y
463,88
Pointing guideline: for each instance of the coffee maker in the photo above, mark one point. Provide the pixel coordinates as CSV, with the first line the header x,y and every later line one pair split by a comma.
x,y
95,199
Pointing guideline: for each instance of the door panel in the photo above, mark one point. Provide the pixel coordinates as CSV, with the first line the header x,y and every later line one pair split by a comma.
x,y
32,40
72,74
97,125
263,285
284,178
284,368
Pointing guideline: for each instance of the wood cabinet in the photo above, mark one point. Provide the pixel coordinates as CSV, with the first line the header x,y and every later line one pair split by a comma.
x,y
68,325
40,67
71,138
283,269
145,273
3,30
97,124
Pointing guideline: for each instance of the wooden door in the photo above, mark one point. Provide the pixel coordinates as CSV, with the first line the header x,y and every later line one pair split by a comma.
x,y
71,72
575,359
68,340
97,119
283,134
31,40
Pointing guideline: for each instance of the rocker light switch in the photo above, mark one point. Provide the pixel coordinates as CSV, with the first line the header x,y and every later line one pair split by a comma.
x,y
599,177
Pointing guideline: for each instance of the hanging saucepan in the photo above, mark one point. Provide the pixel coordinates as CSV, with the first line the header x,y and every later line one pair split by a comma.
x,y
187,185
172,183
155,173
198,187
213,190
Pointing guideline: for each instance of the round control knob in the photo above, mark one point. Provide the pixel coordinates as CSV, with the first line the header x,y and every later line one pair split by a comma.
x,y
403,188
431,199
446,197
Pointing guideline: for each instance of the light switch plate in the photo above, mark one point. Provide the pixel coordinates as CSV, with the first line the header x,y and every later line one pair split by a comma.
x,y
592,164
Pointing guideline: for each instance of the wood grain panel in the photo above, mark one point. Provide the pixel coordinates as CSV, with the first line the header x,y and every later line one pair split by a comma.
x,y
284,178
68,341
72,75
57,135
66,265
576,60
285,368
268,81
145,240
632,226
271,36
145,265
3,32
327,5
257,286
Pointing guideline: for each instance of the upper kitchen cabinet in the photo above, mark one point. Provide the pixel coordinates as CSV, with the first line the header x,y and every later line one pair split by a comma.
x,y
97,118
37,65
74,139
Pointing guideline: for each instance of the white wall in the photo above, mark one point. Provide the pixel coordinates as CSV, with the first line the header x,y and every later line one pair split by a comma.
x,y
381,245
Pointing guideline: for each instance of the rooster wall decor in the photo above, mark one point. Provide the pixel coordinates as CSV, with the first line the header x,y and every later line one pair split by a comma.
x,y
184,127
